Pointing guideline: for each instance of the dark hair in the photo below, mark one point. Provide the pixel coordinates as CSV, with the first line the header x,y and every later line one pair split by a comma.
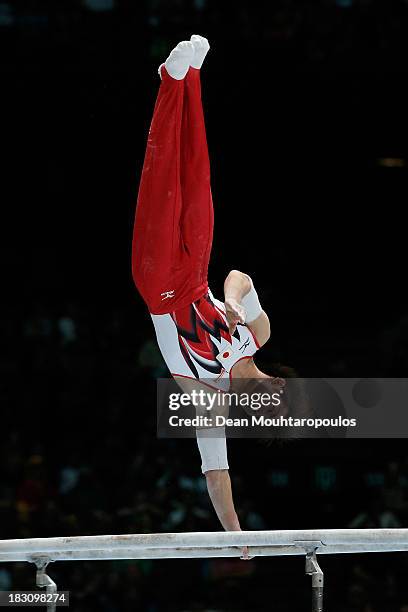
x,y
295,402
298,399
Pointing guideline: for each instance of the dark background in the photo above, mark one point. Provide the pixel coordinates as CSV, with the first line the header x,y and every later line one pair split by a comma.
x,y
306,112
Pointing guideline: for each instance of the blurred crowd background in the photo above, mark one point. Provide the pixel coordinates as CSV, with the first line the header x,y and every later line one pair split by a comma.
x,y
306,111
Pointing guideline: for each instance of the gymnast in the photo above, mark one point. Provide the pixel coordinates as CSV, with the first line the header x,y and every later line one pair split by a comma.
x,y
200,337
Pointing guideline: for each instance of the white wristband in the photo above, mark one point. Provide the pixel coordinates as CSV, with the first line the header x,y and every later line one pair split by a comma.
x,y
251,303
213,449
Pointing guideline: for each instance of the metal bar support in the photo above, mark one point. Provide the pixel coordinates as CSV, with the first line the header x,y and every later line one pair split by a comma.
x,y
314,570
44,581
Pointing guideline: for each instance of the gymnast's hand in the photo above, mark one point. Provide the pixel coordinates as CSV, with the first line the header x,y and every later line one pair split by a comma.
x,y
235,314
246,556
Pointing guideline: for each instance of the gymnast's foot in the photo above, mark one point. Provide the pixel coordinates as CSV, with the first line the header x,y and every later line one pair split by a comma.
x,y
201,48
179,60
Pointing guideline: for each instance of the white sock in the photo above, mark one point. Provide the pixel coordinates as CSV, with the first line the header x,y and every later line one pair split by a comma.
x,y
201,48
179,60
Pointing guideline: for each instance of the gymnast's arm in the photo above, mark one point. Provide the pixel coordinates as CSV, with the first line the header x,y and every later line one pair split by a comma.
x,y
242,306
220,492
213,451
